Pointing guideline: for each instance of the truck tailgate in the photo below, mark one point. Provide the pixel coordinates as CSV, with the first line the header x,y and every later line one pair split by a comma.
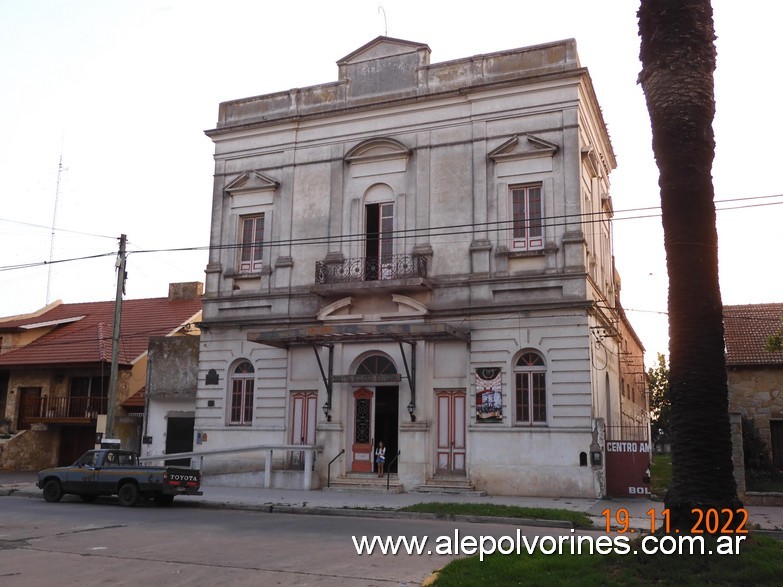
x,y
181,481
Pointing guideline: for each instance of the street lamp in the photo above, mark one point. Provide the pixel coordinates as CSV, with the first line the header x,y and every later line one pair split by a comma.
x,y
411,410
327,411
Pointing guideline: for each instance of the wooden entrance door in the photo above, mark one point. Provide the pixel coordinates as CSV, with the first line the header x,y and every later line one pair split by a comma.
x,y
362,446
304,406
450,455
29,406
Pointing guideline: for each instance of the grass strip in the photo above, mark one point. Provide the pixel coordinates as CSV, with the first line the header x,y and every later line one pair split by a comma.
x,y
661,473
579,519
759,563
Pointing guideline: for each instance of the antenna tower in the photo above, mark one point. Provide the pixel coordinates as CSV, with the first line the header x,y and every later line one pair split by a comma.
x,y
60,170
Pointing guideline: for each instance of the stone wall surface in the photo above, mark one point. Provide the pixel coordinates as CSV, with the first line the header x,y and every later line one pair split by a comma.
x,y
29,450
757,394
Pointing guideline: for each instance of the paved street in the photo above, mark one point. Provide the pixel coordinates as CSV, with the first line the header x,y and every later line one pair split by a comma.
x,y
71,543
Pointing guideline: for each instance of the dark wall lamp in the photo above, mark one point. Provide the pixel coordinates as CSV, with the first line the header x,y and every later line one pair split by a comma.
x,y
412,411
327,411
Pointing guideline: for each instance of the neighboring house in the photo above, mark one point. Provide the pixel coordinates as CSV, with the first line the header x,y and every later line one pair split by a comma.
x,y
634,384
55,368
420,254
755,376
170,395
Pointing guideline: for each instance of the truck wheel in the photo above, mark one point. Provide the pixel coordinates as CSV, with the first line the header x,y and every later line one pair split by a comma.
x,y
53,491
128,495
164,500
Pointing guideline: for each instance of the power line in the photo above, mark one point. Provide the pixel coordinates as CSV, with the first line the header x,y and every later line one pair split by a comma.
x,y
43,263
446,230
56,229
431,231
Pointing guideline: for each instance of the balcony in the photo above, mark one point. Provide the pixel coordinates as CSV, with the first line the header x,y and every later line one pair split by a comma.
x,y
65,410
397,272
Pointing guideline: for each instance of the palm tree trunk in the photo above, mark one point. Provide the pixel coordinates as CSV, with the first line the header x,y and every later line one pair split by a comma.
x,y
678,61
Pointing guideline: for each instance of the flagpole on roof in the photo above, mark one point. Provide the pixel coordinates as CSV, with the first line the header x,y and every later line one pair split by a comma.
x,y
115,345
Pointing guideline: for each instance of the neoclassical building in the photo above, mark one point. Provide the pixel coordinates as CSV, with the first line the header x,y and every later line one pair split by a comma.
x,y
419,254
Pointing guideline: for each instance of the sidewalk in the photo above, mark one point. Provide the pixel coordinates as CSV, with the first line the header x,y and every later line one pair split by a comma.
x,y
370,503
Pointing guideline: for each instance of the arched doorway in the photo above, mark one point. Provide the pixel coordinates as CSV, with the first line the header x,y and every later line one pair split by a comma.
x,y
376,413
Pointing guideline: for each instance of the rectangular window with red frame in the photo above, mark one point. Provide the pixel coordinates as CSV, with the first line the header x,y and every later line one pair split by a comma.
x,y
242,402
527,218
252,244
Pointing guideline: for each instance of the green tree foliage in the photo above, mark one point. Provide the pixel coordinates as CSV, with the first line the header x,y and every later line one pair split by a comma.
x,y
660,402
774,342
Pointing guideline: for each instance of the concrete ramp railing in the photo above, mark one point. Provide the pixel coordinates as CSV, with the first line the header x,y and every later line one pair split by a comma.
x,y
197,458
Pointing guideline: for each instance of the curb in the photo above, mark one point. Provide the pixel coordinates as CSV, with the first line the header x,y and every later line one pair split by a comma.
x,y
25,490
11,489
376,513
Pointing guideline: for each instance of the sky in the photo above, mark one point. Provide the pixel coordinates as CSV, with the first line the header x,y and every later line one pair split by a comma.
x,y
104,104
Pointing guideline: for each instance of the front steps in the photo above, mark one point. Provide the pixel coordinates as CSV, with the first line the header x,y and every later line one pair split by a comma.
x,y
451,486
365,482
372,483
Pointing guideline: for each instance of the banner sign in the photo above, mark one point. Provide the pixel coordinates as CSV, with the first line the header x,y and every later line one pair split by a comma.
x,y
489,395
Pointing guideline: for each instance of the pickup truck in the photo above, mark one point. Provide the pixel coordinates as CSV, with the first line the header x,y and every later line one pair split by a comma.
x,y
117,472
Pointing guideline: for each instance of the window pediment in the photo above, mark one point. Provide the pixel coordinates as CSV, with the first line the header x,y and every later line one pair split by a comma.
x,y
251,181
382,149
342,310
530,146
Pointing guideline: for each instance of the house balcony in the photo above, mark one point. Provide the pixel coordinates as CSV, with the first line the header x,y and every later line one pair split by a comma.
x,y
366,274
65,410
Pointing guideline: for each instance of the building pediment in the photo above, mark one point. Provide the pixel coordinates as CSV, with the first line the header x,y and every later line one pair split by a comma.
x,y
251,181
382,47
523,148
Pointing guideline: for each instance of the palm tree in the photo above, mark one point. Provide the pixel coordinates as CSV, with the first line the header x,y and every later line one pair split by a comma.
x,y
678,61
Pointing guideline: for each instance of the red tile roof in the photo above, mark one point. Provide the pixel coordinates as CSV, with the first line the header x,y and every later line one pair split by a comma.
x,y
136,400
82,333
746,329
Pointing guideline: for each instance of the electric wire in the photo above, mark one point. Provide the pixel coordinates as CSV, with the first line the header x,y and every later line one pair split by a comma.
x,y
432,232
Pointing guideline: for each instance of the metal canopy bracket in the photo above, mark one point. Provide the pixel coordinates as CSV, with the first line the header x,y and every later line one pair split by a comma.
x,y
411,379
328,379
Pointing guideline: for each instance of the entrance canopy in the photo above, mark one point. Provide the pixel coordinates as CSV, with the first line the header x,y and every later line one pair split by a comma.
x,y
330,334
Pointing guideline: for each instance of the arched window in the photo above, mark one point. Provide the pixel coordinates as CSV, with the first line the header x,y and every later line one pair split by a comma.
x,y
530,387
242,380
376,365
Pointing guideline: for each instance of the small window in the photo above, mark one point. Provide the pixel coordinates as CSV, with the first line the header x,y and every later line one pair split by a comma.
x,y
242,387
527,218
251,245
530,388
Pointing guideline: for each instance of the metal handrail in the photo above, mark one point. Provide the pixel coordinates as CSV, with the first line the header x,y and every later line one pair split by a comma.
x,y
329,467
388,470
225,451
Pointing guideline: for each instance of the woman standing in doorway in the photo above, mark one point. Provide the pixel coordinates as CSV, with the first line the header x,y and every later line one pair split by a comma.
x,y
380,457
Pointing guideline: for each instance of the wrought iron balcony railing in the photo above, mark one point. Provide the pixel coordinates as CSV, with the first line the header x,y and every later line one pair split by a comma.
x,y
370,269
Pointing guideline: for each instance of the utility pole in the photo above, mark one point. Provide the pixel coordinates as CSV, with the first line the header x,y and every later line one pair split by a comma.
x,y
115,346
